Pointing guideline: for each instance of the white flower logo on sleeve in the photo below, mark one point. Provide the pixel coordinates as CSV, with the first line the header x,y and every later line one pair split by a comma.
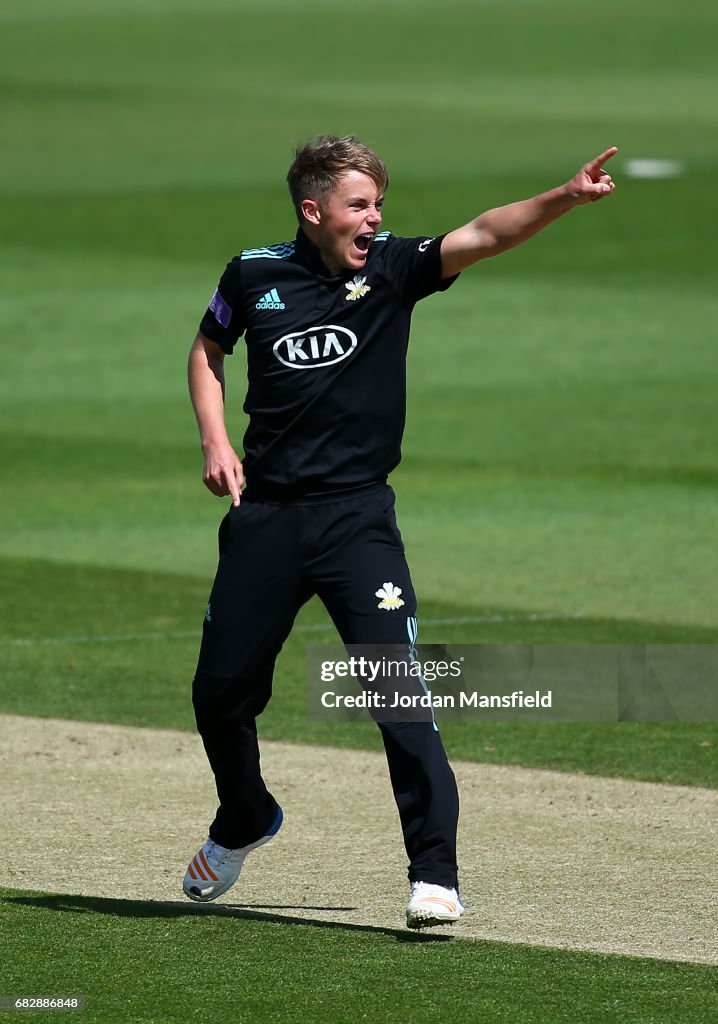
x,y
389,595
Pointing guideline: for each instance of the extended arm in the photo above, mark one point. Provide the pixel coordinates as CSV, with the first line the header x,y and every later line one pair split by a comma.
x,y
497,230
223,473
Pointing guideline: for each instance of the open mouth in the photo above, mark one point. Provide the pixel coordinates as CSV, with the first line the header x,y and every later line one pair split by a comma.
x,y
362,242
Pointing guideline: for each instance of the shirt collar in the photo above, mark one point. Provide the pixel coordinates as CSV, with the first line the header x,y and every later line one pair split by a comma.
x,y
311,257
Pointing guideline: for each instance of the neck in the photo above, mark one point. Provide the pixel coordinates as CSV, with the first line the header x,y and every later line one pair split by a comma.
x,y
329,262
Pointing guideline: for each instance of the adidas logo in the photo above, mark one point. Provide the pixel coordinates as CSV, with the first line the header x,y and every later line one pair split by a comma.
x,y
270,300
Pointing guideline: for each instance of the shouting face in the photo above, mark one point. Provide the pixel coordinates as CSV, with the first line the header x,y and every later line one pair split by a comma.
x,y
343,223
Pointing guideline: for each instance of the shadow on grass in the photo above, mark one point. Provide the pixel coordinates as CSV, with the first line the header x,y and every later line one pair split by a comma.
x,y
76,904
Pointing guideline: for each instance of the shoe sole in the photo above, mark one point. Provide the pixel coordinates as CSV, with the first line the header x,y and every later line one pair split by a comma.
x,y
425,917
417,923
195,893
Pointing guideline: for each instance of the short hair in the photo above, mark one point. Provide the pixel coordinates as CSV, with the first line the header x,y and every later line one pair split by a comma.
x,y
321,163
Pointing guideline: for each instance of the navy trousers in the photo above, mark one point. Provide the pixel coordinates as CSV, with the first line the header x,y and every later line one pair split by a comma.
x,y
272,558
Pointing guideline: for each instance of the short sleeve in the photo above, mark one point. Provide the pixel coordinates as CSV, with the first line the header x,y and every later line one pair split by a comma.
x,y
413,265
224,322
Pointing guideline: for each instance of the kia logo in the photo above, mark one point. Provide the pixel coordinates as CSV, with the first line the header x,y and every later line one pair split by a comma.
x,y
315,347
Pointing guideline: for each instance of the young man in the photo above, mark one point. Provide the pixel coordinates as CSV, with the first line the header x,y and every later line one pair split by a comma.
x,y
326,322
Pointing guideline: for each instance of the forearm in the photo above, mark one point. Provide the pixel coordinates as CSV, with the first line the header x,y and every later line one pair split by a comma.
x,y
507,226
223,473
206,387
500,229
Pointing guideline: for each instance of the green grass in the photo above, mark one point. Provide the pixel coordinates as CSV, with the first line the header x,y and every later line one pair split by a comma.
x,y
168,962
561,453
120,646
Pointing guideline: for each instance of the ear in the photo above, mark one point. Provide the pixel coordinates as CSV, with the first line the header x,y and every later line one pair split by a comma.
x,y
311,211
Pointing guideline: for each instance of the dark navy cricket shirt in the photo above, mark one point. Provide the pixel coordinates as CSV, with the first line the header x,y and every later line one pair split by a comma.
x,y
326,358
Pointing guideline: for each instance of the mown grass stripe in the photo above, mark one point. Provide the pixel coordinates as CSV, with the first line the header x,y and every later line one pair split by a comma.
x,y
276,970
186,634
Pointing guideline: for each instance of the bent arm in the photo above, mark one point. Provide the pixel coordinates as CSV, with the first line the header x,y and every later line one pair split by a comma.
x,y
505,227
223,473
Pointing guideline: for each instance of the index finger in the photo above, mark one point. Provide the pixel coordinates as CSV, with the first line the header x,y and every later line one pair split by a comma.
x,y
232,486
597,161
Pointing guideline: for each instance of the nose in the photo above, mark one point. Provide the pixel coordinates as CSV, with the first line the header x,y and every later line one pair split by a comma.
x,y
374,215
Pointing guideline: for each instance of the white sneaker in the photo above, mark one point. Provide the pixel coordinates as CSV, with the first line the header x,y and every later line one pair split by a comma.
x,y
430,905
214,869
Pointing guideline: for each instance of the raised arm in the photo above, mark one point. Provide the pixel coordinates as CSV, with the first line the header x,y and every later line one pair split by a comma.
x,y
223,472
497,230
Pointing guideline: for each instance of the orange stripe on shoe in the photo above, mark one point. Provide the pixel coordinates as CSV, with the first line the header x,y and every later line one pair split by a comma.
x,y
449,904
206,866
190,872
198,868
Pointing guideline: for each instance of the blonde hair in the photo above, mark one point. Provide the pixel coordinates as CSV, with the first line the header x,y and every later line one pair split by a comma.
x,y
321,163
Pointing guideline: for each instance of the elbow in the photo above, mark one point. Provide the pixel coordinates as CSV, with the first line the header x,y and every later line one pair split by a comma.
x,y
207,350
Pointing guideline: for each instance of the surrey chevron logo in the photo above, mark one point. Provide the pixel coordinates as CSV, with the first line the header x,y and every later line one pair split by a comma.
x,y
390,599
357,288
270,300
315,347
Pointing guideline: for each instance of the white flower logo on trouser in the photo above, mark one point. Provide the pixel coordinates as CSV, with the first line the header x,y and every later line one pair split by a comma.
x,y
389,595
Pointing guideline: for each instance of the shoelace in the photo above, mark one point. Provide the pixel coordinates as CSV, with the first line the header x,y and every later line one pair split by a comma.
x,y
216,854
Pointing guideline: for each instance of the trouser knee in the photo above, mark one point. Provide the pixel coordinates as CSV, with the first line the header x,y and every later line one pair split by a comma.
x,y
219,700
